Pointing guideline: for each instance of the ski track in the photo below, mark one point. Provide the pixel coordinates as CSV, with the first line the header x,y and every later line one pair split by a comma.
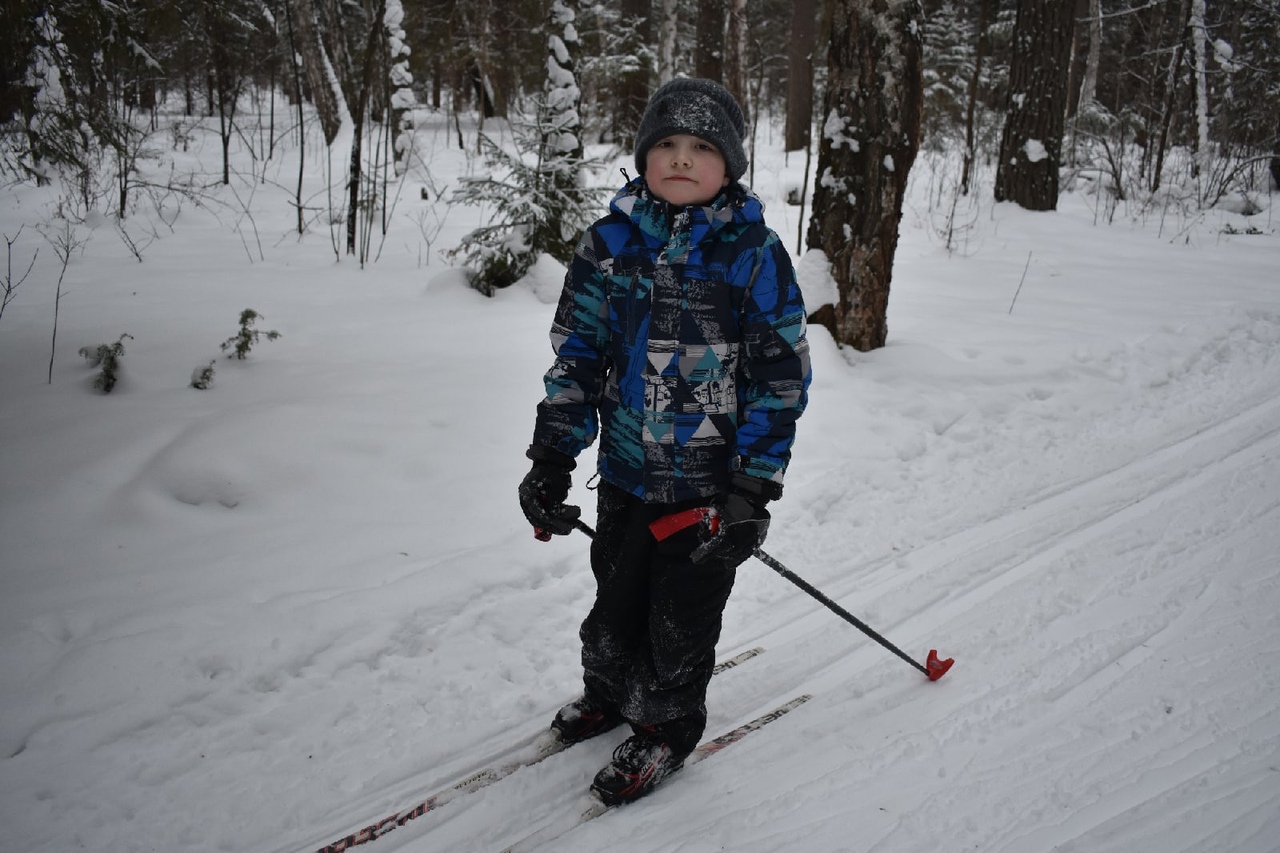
x,y
980,592
1060,749
991,734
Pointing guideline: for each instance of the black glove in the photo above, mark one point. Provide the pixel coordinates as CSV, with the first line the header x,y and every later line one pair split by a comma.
x,y
742,522
543,492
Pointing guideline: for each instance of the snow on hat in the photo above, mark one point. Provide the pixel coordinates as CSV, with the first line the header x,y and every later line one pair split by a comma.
x,y
701,108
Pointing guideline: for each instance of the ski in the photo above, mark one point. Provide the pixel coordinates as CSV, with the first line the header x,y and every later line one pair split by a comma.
x,y
526,754
592,807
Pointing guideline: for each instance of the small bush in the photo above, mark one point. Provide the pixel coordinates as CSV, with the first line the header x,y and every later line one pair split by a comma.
x,y
244,340
107,357
202,377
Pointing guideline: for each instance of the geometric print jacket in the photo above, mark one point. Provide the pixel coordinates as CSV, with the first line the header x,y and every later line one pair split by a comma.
x,y
679,341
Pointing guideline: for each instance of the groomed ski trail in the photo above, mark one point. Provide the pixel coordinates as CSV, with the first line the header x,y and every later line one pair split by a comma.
x,y
989,732
524,753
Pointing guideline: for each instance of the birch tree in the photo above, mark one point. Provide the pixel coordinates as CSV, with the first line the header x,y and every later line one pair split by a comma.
x,y
1199,36
322,83
668,30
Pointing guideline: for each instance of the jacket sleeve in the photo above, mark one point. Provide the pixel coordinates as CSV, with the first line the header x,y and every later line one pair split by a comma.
x,y
775,364
568,419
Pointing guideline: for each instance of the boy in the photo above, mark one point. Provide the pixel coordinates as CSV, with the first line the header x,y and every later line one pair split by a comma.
x,y
680,338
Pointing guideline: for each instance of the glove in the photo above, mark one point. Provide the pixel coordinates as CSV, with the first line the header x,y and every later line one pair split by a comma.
x,y
742,522
543,492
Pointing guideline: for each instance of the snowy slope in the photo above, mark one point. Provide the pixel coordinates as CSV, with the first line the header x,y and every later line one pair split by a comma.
x,y
260,617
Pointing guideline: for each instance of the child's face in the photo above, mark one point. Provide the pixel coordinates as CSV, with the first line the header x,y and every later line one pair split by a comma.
x,y
682,170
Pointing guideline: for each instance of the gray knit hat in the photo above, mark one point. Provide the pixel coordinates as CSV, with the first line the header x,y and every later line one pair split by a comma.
x,y
701,108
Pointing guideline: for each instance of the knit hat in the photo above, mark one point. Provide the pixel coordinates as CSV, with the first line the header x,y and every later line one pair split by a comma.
x,y
701,108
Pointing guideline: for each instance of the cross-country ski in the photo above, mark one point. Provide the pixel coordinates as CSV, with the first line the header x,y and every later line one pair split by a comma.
x,y
592,807
541,747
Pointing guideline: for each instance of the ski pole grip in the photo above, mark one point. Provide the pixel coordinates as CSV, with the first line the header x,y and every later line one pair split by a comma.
x,y
670,525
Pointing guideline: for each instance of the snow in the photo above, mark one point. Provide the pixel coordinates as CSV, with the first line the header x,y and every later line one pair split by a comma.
x,y
265,615
835,127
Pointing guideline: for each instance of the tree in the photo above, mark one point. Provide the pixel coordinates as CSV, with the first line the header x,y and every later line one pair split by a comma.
x,y
1089,86
1165,114
536,194
80,70
400,98
227,28
668,30
633,83
709,56
1249,116
800,75
41,92
560,142
326,94
972,97
1031,144
870,137
950,50
1199,37
735,51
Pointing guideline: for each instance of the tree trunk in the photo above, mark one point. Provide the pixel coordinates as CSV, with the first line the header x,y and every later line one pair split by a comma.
x,y
709,56
315,65
1031,144
633,88
1199,37
1089,86
222,76
870,137
1171,98
668,29
800,76
226,114
375,38
302,133
1275,159
561,145
735,52
971,105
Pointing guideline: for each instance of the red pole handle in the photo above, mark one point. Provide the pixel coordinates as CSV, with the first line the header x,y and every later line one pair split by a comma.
x,y
670,525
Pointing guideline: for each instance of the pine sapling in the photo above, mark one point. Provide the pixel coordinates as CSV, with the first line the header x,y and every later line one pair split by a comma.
x,y
202,377
244,340
107,357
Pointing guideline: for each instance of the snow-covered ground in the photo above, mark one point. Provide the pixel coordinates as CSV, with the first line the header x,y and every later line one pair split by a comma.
x,y
265,615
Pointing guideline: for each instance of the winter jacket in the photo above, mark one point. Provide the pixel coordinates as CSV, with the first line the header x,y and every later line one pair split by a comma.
x,y
680,338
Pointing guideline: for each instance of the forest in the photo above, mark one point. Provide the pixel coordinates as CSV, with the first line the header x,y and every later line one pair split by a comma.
x,y
276,283
1146,102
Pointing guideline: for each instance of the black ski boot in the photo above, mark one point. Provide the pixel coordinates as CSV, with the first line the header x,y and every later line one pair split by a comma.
x,y
639,764
584,719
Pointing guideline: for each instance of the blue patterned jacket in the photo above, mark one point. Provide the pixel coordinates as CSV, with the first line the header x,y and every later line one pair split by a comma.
x,y
680,339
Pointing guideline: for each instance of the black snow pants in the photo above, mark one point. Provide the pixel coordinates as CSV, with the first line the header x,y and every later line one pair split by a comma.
x,y
648,644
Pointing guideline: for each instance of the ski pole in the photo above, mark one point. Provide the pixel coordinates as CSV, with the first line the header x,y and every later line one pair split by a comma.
x,y
933,667
545,535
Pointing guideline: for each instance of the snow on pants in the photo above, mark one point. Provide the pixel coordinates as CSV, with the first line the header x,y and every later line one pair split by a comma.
x,y
648,644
